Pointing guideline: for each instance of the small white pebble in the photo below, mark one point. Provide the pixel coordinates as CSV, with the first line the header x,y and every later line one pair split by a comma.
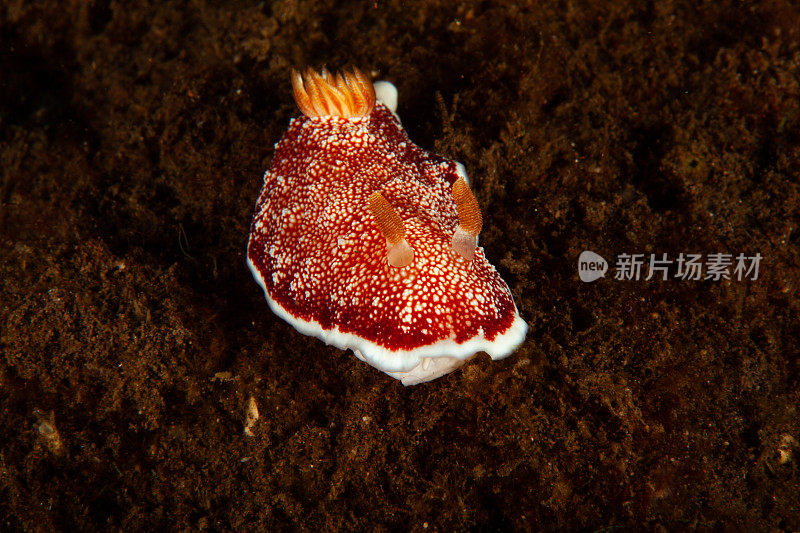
x,y
250,416
49,434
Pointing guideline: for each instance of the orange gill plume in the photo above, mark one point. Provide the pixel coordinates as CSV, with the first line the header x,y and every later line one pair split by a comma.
x,y
470,221
398,251
345,94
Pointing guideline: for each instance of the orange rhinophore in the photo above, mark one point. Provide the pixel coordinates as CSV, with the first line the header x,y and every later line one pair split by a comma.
x,y
470,221
398,252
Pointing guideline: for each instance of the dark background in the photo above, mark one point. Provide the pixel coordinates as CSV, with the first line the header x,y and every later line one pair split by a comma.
x,y
133,141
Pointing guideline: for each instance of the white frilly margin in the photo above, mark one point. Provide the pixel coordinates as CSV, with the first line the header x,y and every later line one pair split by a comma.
x,y
410,367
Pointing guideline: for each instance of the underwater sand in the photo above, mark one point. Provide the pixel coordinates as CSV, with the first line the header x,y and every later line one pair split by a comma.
x,y
133,141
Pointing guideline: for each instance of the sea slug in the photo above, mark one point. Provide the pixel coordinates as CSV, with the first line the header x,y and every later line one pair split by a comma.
x,y
367,242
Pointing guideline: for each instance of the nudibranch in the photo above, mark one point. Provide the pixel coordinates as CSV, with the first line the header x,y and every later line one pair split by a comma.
x,y
367,242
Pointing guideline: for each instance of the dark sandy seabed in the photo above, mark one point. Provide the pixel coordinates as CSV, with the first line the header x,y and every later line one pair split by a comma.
x,y
133,140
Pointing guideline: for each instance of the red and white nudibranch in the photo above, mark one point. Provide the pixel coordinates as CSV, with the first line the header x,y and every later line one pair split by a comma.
x,y
367,242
